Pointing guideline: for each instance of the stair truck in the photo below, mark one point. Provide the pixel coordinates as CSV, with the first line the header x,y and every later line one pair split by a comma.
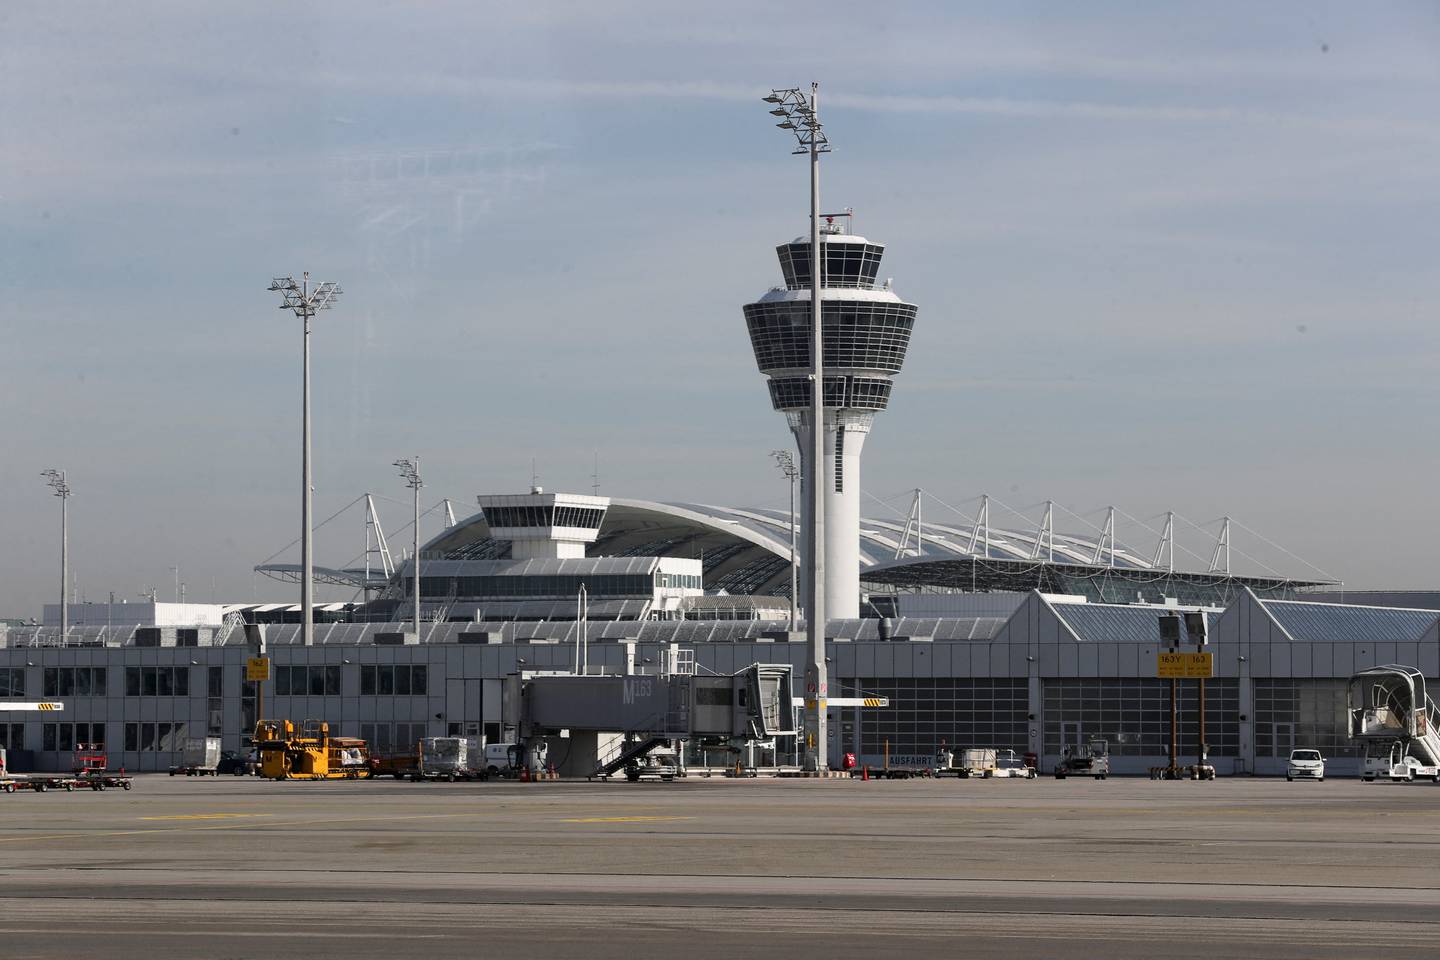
x,y
309,753
1392,716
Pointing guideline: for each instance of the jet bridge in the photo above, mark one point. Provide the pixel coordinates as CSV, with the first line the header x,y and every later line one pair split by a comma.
x,y
749,705
1390,703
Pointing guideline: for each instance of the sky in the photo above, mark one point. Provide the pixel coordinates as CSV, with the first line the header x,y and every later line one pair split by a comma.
x,y
1167,257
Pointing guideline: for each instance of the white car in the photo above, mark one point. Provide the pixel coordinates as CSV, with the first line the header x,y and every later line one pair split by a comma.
x,y
1305,765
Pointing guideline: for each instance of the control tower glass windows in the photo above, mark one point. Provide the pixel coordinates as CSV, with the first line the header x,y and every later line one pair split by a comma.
x,y
846,264
858,334
548,586
856,393
545,516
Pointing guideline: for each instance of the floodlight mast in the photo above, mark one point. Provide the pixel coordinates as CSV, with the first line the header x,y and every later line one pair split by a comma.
x,y
800,114
304,301
786,462
410,470
57,482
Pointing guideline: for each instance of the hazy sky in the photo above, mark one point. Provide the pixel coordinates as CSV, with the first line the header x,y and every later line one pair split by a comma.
x,y
1166,257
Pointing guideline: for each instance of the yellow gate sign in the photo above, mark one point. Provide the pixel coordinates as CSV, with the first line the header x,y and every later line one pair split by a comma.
x,y
1185,666
257,669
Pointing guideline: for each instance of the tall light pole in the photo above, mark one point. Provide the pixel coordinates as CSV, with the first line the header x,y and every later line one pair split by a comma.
x,y
61,486
304,300
410,470
786,463
800,114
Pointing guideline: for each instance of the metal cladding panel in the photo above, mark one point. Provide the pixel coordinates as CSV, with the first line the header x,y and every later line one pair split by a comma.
x,y
902,660
1428,659
865,660
1069,660
1089,660
1129,657
1096,622
942,659
980,659
1342,659
598,703
1300,661
1331,621
961,660
1109,660
1018,665
1407,653
1385,652
1280,663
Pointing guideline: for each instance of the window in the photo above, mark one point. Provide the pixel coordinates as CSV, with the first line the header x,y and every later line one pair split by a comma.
x,y
156,681
70,681
64,737
962,711
215,681
12,736
12,682
1133,714
393,680
307,681
166,737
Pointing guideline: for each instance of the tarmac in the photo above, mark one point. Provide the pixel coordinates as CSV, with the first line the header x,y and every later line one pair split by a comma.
x,y
241,868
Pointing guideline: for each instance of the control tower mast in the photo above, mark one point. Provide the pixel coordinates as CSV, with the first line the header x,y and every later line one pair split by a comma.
x,y
865,332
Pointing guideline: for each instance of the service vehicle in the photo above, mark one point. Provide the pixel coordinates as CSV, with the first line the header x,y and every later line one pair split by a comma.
x,y
1093,760
448,758
200,758
309,753
1305,765
1013,766
662,763
501,759
1393,761
977,762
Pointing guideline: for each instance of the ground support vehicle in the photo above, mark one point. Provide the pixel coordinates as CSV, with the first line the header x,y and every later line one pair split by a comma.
x,y
661,763
201,758
397,765
1092,761
90,774
1013,767
309,753
977,762
449,758
1394,761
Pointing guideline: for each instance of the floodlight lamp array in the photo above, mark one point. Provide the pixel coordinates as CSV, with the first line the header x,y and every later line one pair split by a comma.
x,y
56,480
304,301
797,115
410,472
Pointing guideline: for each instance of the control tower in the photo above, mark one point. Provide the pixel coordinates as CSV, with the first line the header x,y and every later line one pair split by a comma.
x,y
865,331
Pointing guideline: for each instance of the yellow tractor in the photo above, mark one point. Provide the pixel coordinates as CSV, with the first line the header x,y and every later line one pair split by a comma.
x,y
309,753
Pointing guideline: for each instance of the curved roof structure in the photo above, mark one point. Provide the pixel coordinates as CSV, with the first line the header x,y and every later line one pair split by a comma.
x,y
746,551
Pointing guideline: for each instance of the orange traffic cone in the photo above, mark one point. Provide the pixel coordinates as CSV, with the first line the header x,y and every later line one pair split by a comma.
x,y
525,774
865,772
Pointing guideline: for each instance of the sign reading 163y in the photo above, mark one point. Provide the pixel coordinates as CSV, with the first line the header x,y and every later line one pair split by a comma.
x,y
1185,666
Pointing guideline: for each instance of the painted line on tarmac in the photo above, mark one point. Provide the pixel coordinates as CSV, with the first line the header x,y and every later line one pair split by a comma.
x,y
209,816
621,819
161,831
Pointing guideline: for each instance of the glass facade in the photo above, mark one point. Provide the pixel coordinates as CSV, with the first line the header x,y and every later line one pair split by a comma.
x,y
1293,713
149,737
1133,714
12,736
858,334
544,516
157,681
846,264
12,682
73,682
962,711
307,681
400,680
859,393
64,737
512,587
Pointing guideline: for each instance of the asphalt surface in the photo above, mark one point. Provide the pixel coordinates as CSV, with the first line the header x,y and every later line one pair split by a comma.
x,y
240,868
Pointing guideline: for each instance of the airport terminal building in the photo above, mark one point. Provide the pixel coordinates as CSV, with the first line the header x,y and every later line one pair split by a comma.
x,y
1055,671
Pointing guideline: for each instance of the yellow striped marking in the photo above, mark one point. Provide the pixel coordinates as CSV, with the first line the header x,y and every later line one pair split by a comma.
x,y
621,819
208,816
